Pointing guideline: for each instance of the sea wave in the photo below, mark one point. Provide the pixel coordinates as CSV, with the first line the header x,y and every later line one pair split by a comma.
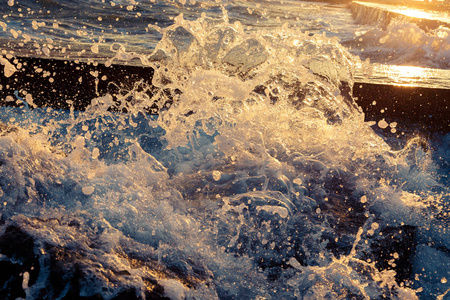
x,y
404,43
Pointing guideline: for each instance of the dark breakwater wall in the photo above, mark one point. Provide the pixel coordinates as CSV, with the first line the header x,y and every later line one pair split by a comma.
x,y
426,108
62,84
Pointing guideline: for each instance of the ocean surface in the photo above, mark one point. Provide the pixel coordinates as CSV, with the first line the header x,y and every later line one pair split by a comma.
x,y
258,178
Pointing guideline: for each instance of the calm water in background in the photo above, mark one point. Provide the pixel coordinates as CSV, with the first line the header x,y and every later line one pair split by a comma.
x,y
242,185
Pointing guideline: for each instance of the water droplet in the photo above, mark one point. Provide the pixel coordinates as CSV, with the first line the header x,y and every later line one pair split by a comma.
x,y
88,190
297,181
216,175
94,48
382,124
363,199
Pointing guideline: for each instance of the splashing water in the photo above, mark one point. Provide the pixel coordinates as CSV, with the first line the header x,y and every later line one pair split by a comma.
x,y
257,179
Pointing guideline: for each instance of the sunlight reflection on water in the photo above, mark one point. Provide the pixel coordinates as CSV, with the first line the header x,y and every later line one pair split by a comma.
x,y
405,76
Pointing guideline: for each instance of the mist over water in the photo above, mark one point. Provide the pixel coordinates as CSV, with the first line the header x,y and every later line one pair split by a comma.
x,y
258,178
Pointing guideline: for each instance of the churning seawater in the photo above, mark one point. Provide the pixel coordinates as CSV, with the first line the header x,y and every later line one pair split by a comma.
x,y
257,179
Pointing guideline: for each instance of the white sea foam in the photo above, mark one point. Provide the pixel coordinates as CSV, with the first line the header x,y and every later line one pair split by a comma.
x,y
404,43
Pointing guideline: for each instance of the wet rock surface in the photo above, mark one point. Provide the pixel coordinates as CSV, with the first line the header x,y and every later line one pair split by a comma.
x,y
55,258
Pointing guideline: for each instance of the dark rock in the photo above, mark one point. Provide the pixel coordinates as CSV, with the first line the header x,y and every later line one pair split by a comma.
x,y
79,264
17,247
